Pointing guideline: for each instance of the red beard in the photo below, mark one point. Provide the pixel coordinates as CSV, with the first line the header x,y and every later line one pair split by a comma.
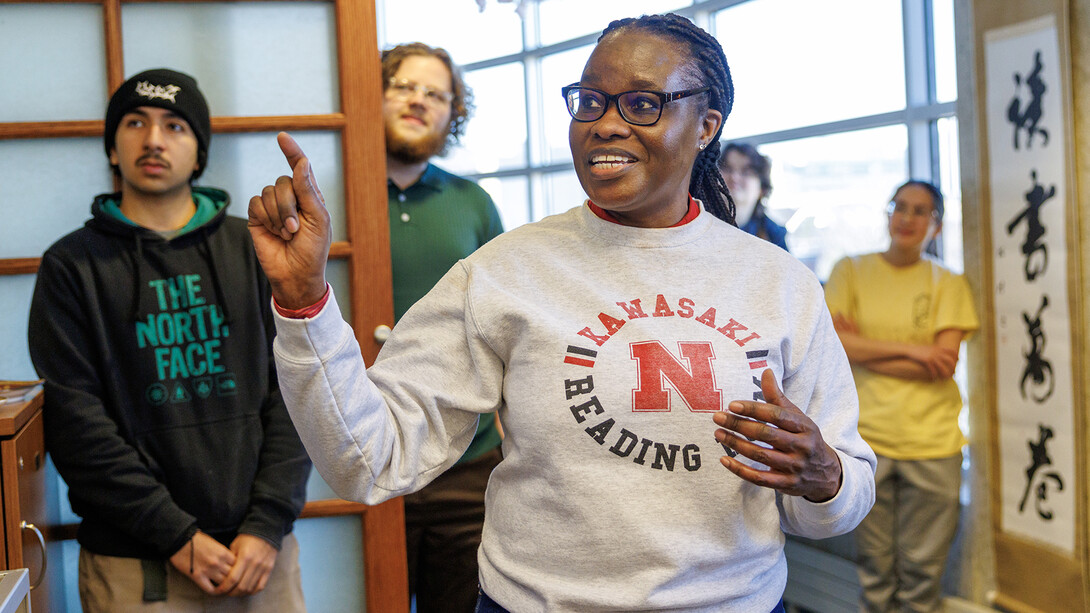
x,y
416,150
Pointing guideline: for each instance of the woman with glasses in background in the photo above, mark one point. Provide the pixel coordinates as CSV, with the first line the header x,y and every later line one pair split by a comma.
x,y
902,316
748,176
651,460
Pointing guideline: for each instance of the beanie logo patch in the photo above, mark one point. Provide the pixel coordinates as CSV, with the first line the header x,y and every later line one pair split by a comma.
x,y
164,92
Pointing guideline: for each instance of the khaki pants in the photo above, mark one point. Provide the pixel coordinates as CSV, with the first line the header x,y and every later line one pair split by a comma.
x,y
903,542
116,585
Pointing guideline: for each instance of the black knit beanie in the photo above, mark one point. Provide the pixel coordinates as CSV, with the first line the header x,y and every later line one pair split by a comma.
x,y
166,89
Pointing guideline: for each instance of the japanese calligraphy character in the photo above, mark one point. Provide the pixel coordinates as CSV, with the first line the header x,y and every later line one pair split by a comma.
x,y
1028,118
1037,368
1040,458
1033,248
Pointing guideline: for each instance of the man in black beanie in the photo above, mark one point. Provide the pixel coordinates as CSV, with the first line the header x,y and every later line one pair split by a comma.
x,y
162,409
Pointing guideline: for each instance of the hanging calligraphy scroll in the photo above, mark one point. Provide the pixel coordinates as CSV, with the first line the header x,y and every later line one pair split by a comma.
x,y
1031,223
1028,181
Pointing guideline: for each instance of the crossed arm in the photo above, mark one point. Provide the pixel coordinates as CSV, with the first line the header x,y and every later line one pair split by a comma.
x,y
905,360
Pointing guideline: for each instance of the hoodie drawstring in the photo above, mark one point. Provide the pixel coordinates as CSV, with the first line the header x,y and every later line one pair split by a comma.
x,y
206,252
137,258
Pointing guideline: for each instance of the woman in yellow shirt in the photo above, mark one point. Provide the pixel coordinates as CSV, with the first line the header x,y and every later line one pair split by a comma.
x,y
902,316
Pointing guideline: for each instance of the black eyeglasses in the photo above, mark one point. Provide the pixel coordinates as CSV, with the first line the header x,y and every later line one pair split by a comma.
x,y
639,108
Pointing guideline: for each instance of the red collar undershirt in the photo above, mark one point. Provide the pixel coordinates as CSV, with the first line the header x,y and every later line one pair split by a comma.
x,y
694,210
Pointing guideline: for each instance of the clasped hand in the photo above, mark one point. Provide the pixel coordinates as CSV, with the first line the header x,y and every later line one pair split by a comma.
x,y
290,227
240,570
799,461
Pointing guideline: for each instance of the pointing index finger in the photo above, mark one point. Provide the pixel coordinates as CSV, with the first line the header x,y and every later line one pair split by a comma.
x,y
293,153
306,188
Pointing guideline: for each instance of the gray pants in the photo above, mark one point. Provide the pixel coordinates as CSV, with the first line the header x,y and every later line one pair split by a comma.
x,y
116,585
903,542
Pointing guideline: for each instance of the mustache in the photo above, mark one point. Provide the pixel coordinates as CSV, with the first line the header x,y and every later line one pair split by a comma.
x,y
152,157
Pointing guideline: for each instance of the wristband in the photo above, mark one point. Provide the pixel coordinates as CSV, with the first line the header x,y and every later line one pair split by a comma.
x,y
305,312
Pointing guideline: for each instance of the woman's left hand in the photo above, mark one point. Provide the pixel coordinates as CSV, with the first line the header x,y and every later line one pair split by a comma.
x,y
800,462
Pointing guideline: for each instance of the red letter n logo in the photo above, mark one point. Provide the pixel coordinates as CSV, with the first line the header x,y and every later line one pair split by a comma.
x,y
695,383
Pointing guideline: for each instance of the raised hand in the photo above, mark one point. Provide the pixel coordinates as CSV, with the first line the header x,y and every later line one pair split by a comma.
x,y
800,462
291,231
205,561
254,561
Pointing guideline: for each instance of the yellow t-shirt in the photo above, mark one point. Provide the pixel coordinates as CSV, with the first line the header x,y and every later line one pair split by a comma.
x,y
901,418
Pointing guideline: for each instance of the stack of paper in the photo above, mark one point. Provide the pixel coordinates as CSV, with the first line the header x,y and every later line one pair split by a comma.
x,y
12,392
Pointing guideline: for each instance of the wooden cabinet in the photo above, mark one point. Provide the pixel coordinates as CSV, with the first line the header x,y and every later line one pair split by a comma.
x,y
23,483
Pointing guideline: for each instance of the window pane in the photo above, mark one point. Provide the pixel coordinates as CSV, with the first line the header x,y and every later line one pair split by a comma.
x,y
15,293
403,24
560,192
243,164
831,192
511,198
68,39
495,136
815,67
949,181
68,173
331,562
558,70
562,20
946,78
241,62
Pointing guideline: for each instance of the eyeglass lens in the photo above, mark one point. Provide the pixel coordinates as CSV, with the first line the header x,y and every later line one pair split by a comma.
x,y
909,211
639,108
403,90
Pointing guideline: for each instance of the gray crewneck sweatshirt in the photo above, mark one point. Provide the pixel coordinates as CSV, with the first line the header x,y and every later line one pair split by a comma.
x,y
605,349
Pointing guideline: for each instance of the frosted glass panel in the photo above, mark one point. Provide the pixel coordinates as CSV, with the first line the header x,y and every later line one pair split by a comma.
x,y
66,39
336,274
70,562
317,488
63,176
243,164
331,561
15,293
254,58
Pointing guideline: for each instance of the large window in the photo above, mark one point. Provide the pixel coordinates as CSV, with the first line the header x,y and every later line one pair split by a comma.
x,y
849,98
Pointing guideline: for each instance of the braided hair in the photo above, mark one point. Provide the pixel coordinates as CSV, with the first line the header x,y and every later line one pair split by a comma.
x,y
706,182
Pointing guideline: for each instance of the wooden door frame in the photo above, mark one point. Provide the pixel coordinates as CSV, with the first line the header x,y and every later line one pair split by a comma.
x,y
366,250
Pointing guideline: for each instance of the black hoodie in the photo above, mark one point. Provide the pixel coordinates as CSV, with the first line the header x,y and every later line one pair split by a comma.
x,y
162,411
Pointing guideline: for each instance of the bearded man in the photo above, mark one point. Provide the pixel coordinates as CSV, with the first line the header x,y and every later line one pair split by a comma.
x,y
436,219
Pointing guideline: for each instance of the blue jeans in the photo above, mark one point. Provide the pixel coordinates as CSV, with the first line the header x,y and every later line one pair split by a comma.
x,y
487,605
